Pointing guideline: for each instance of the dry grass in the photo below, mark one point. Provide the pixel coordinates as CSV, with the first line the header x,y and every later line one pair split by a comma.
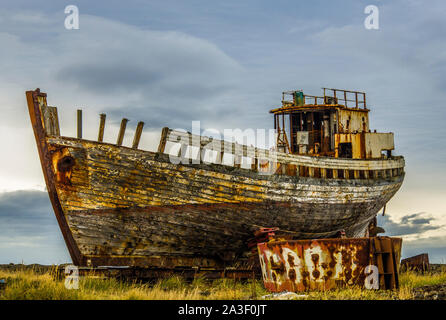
x,y
28,284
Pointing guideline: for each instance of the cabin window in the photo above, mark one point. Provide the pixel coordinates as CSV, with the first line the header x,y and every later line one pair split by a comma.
x,y
345,150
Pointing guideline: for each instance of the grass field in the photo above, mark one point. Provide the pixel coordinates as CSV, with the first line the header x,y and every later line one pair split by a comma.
x,y
29,284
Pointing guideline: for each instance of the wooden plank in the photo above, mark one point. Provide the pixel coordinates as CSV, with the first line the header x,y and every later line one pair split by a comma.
x,y
389,172
311,172
192,180
335,173
101,127
291,134
51,120
321,162
138,133
79,124
323,173
122,131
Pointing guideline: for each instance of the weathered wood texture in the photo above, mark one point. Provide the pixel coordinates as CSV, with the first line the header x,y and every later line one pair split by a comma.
x,y
36,106
138,133
123,202
186,138
123,206
101,127
122,131
79,124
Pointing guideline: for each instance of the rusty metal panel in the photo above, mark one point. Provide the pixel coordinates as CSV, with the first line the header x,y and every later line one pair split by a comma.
x,y
416,263
300,265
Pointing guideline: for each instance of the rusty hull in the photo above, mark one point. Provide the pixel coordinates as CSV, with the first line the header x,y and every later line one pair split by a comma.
x,y
324,264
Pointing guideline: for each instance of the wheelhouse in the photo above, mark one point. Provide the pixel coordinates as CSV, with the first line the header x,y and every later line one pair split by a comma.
x,y
333,125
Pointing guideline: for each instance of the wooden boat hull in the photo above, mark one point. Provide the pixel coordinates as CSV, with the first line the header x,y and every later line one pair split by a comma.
x,y
123,206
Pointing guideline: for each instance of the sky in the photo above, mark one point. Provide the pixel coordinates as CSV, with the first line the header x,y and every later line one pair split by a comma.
x,y
223,63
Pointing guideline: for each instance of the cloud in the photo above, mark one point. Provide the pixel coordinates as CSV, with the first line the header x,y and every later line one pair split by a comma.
x,y
413,224
416,230
164,78
160,77
434,246
29,229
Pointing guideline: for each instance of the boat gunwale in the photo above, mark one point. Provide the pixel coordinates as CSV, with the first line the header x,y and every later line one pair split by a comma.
x,y
394,162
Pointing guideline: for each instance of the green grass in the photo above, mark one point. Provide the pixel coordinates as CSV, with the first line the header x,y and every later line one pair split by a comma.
x,y
29,284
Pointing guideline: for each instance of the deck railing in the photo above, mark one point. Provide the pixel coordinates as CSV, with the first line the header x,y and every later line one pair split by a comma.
x,y
273,162
348,98
262,160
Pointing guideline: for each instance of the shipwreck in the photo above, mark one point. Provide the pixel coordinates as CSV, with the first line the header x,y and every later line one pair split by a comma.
x,y
122,206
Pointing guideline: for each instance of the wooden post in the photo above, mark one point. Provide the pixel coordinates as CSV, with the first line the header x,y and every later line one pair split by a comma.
x,y
346,174
79,124
345,97
122,131
366,174
254,164
51,120
335,173
222,151
283,167
291,134
356,174
55,120
375,174
101,127
311,172
237,156
138,133
323,173
300,121
163,140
